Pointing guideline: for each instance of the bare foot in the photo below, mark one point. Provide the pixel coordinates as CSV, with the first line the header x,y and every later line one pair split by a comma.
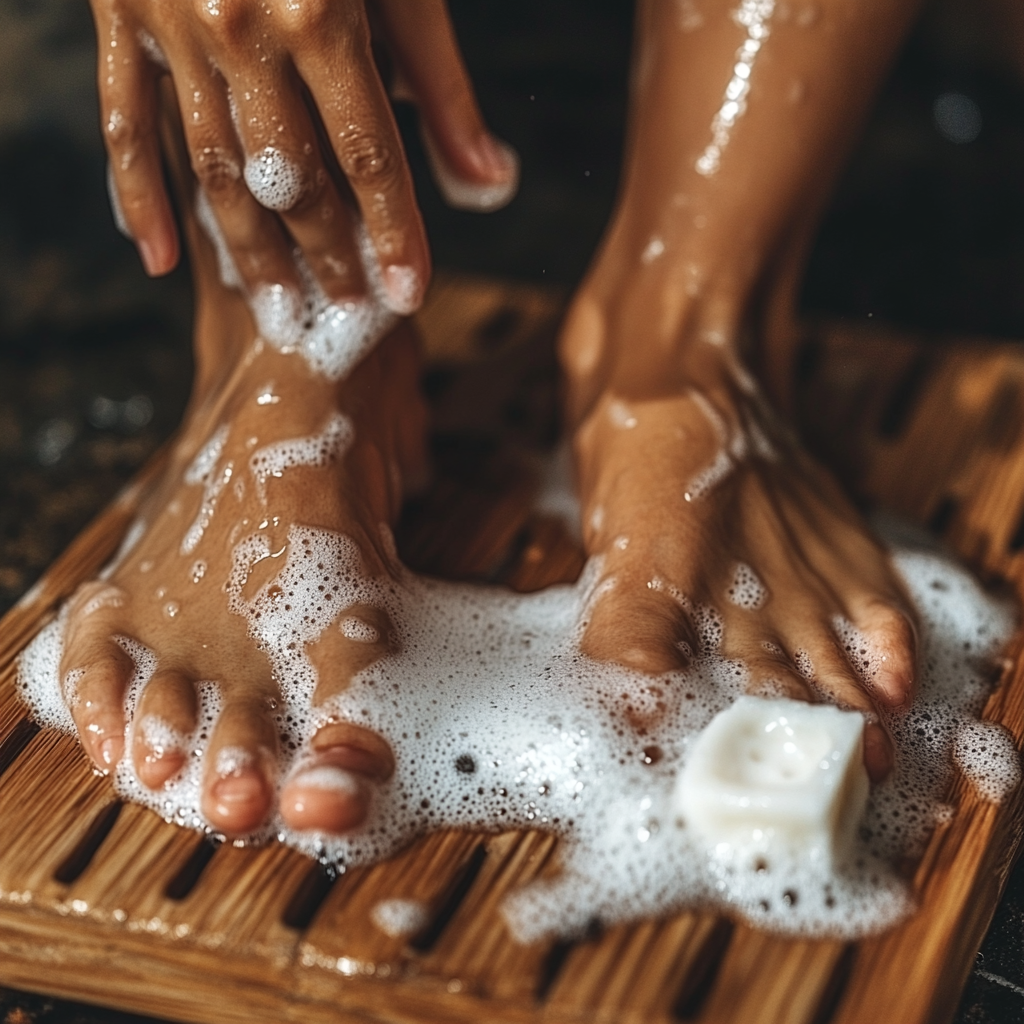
x,y
714,525
716,528
275,445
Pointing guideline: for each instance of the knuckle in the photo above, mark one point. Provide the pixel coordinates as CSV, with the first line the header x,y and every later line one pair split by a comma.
x,y
216,170
306,18
123,132
368,160
223,19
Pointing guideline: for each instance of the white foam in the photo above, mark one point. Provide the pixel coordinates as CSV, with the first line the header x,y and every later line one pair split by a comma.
x,y
709,477
357,629
206,471
275,181
556,495
465,195
331,336
746,590
207,219
987,755
498,721
161,737
328,777
328,446
399,918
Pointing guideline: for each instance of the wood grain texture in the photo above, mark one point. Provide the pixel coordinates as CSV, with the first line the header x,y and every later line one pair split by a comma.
x,y
152,918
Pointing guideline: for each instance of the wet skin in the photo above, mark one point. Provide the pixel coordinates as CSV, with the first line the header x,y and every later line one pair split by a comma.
x,y
252,79
702,260
157,596
701,254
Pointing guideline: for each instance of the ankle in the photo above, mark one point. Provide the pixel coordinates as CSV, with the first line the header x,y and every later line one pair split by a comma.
x,y
651,333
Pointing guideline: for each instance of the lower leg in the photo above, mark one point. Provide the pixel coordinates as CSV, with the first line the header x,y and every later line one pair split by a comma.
x,y
740,118
334,455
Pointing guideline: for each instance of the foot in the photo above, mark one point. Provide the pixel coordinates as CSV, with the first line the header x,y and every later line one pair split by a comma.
x,y
719,532
231,477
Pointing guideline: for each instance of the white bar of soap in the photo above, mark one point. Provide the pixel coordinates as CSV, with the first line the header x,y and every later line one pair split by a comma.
x,y
766,773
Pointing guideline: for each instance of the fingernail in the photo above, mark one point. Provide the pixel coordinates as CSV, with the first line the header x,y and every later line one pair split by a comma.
x,y
495,159
404,291
111,750
148,257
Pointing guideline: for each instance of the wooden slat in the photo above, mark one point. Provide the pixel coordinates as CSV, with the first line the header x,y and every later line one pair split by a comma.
x,y
243,935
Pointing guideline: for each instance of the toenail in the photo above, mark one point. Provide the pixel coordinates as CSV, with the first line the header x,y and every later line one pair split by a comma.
x,y
111,750
329,777
243,788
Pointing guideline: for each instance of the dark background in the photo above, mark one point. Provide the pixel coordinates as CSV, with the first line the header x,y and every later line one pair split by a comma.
x,y
926,232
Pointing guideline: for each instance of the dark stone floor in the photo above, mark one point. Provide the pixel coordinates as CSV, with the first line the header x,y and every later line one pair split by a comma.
x,y
924,232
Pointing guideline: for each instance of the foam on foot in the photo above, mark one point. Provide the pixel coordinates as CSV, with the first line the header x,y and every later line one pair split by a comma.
x,y
498,721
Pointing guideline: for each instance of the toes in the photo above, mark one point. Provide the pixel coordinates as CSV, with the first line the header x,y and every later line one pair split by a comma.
x,y
165,717
827,666
772,675
330,792
640,627
239,768
95,675
888,651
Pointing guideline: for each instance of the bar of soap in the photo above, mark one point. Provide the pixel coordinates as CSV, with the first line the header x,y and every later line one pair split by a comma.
x,y
771,773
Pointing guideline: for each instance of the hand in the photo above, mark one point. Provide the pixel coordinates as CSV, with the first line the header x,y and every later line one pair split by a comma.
x,y
266,90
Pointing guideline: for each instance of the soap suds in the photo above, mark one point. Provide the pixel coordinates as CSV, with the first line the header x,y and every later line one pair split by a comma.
x,y
328,446
331,336
498,721
746,590
357,629
556,496
275,182
161,737
519,729
204,471
153,50
399,918
465,195
328,777
986,754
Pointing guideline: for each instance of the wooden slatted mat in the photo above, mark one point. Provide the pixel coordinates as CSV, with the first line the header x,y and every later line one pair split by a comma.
x,y
107,903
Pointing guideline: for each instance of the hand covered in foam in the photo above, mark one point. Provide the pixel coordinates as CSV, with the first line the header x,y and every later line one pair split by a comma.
x,y
253,78
771,773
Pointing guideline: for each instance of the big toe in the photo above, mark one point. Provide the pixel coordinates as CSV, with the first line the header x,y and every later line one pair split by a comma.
x,y
640,627
331,790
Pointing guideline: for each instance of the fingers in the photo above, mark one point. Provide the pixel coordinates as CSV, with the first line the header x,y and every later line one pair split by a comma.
x,y
164,719
253,248
362,132
285,173
239,768
473,169
129,112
